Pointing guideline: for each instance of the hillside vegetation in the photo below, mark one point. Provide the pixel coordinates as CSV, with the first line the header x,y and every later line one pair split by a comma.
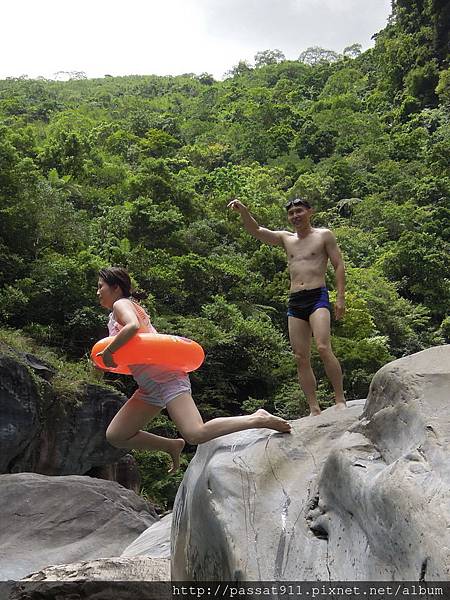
x,y
137,171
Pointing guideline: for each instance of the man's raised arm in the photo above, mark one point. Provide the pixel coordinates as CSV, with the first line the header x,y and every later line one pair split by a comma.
x,y
261,233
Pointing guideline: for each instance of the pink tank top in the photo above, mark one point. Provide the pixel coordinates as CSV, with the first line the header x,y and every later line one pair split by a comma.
x,y
145,325
154,372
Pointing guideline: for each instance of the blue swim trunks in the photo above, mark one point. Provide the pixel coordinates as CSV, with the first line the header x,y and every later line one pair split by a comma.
x,y
302,304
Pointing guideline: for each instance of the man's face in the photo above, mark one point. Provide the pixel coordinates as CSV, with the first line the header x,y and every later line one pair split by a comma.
x,y
297,215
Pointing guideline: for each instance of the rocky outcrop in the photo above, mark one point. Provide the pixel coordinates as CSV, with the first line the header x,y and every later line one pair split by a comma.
x,y
349,495
42,433
74,441
19,417
139,568
124,471
54,520
147,558
154,542
239,507
116,578
354,494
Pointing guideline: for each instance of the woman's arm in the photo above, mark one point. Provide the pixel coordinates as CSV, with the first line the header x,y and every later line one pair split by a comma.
x,y
124,314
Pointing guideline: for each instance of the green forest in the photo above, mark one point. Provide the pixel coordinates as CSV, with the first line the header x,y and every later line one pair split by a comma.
x,y
137,171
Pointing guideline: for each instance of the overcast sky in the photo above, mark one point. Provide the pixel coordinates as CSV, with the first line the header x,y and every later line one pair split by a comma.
x,y
170,37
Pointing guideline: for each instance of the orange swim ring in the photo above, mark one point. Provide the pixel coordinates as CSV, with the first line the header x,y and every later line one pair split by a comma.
x,y
169,352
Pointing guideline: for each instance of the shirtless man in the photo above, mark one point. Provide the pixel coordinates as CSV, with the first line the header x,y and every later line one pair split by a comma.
x,y
308,250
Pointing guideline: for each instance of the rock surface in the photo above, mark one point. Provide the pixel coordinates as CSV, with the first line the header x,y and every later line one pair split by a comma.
x,y
118,579
125,471
40,433
131,576
54,520
19,418
346,496
74,441
139,568
154,542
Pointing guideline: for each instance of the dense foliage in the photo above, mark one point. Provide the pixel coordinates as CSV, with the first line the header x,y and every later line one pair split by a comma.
x,y
137,171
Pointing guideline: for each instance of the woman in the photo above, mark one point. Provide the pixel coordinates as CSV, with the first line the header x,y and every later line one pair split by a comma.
x,y
158,388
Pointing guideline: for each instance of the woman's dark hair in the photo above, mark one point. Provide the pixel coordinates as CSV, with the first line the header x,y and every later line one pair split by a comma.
x,y
119,276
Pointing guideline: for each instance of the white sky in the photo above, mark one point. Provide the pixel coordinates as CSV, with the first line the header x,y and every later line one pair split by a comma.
x,y
170,37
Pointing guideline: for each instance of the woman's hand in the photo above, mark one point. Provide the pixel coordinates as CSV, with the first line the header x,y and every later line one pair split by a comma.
x,y
107,358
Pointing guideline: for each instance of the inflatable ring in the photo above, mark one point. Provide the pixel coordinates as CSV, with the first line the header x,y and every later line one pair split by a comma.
x,y
170,352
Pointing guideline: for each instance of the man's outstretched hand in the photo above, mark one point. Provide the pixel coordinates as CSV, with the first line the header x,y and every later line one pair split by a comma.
x,y
236,205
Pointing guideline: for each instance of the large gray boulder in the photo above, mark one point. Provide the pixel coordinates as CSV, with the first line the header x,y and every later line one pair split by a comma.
x,y
19,417
43,433
54,520
348,495
154,542
131,576
74,441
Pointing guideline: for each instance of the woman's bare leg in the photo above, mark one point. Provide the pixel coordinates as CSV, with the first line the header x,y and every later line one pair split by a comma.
x,y
185,415
125,431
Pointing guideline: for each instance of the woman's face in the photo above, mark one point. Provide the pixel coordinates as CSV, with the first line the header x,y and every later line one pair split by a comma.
x,y
107,294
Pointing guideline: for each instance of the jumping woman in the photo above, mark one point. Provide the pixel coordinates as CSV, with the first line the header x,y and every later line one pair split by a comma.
x,y
158,388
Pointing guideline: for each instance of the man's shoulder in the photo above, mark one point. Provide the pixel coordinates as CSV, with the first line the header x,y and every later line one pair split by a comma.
x,y
324,232
286,234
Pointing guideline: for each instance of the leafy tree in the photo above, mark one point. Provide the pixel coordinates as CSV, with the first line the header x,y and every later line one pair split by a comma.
x,y
418,263
352,51
66,154
268,57
315,55
242,68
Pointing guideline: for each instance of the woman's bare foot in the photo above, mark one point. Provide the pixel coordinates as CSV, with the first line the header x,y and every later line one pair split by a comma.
x,y
341,404
175,452
265,419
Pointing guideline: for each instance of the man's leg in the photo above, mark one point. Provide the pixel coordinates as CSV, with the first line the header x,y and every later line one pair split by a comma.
x,y
300,338
320,325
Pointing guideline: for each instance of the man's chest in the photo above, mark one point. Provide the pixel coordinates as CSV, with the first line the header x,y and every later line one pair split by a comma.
x,y
311,248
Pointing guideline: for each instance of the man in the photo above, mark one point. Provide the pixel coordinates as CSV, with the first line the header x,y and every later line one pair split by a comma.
x,y
309,312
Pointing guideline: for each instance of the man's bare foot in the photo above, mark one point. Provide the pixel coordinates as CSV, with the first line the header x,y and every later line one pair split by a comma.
x,y
341,404
314,412
314,408
175,452
265,419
